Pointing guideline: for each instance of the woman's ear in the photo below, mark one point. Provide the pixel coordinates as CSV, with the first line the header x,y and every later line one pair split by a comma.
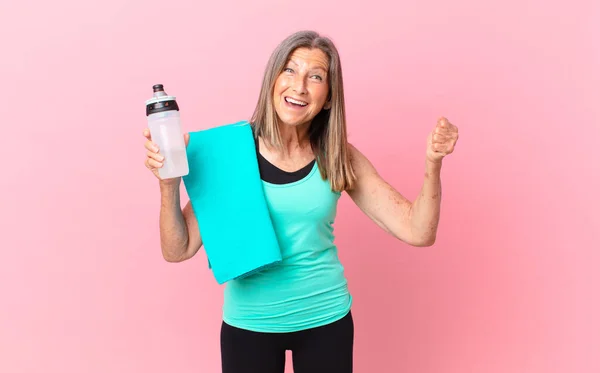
x,y
327,105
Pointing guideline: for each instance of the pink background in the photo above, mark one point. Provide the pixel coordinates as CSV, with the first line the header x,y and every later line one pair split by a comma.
x,y
512,284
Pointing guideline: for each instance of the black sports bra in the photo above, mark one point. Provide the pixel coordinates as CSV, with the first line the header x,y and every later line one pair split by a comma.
x,y
274,175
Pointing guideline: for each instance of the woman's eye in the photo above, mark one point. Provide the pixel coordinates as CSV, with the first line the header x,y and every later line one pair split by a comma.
x,y
288,70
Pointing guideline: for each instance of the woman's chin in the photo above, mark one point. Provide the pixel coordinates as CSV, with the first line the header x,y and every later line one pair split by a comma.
x,y
291,122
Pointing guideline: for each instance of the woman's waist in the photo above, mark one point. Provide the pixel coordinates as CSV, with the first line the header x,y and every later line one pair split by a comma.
x,y
284,306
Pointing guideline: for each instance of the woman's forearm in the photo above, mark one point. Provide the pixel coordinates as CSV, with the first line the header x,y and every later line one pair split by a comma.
x,y
425,210
174,236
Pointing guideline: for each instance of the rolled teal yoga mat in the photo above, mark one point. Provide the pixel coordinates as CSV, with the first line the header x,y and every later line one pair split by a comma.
x,y
226,194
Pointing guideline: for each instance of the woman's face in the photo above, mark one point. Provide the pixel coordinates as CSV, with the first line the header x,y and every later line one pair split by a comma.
x,y
301,90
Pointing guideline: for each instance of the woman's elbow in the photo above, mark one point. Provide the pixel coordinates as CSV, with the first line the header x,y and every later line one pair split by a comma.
x,y
174,258
421,241
430,241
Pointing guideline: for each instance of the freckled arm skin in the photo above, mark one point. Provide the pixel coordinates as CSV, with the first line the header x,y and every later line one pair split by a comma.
x,y
414,223
180,237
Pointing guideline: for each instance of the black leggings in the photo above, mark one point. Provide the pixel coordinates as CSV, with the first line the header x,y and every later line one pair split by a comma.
x,y
325,349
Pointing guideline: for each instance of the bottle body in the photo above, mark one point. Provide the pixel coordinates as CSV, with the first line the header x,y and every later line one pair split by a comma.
x,y
165,127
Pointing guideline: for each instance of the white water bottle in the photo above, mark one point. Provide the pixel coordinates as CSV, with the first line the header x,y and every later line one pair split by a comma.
x,y
165,128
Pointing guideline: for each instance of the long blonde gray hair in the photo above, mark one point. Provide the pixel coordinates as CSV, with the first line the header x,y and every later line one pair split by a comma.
x,y
327,132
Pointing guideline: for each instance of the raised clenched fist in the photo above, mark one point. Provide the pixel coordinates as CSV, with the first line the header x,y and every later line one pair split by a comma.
x,y
441,140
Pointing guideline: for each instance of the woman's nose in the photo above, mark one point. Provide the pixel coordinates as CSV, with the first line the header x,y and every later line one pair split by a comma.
x,y
299,85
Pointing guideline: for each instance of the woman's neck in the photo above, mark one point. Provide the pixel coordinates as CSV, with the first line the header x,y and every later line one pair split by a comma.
x,y
295,139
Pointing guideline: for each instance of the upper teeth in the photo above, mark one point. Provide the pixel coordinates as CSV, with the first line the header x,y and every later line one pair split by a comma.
x,y
295,101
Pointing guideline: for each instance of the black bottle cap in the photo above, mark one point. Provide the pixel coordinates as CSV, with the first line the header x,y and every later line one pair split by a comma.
x,y
160,102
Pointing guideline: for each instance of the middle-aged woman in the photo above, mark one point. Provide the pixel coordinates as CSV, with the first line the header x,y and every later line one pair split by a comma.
x,y
305,163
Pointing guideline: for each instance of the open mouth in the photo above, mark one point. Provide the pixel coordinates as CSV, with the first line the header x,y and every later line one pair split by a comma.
x,y
294,102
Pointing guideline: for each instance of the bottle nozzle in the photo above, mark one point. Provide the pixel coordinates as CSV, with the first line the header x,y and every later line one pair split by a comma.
x,y
158,90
